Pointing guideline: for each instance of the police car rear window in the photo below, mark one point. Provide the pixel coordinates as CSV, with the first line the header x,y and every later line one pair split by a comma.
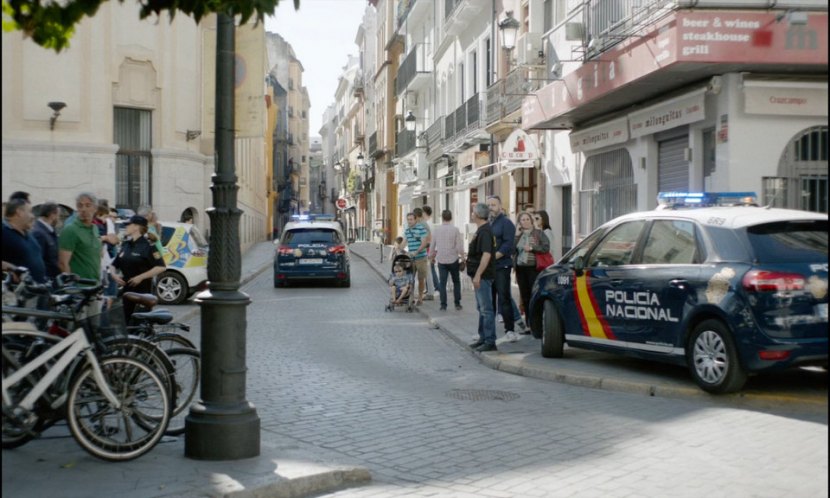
x,y
789,241
310,236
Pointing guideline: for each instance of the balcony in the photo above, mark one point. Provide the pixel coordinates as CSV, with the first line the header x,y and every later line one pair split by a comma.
x,y
412,10
373,143
435,136
405,143
414,72
464,126
504,97
358,135
459,13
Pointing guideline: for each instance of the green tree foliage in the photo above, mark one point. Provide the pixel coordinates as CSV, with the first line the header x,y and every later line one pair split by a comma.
x,y
51,23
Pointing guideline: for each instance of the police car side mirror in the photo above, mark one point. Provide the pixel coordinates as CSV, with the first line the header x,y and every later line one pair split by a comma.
x,y
579,265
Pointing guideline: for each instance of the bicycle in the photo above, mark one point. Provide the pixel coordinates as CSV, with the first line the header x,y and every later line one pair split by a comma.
x,y
180,368
117,407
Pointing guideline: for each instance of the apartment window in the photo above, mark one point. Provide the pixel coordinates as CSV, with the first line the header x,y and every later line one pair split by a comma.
x,y
133,161
487,63
474,71
548,14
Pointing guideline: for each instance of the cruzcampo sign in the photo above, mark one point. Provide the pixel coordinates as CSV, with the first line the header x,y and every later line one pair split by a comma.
x,y
519,147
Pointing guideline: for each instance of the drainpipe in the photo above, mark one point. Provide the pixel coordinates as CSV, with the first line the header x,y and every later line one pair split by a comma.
x,y
493,68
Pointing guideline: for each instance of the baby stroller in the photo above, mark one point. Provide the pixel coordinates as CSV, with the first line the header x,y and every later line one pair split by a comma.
x,y
405,263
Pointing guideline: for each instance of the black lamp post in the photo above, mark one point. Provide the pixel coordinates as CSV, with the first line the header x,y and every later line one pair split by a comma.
x,y
223,425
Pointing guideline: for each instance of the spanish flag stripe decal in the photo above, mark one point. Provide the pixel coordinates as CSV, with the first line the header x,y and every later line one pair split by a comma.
x,y
592,321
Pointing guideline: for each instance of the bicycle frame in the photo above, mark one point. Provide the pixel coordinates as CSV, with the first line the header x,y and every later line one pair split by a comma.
x,y
71,347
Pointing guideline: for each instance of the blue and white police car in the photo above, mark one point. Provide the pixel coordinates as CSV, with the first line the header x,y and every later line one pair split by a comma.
x,y
312,247
727,288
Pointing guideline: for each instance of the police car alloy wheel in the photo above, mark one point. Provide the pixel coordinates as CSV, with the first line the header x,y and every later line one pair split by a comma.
x,y
171,288
553,340
713,360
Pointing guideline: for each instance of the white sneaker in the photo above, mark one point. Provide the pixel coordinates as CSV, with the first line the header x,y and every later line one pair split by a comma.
x,y
475,338
520,324
508,337
499,319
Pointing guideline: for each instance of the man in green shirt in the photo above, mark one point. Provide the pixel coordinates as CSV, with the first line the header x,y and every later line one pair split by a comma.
x,y
80,242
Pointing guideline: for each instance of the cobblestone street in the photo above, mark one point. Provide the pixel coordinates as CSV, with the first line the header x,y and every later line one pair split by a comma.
x,y
328,367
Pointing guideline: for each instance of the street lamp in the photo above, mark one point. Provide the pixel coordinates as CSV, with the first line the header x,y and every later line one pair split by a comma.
x,y
338,166
409,121
509,29
360,161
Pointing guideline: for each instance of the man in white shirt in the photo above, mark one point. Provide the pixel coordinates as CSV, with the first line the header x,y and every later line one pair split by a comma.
x,y
447,249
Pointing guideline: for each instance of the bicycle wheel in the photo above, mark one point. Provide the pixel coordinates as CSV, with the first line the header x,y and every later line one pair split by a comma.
x,y
111,433
188,365
148,352
18,430
171,341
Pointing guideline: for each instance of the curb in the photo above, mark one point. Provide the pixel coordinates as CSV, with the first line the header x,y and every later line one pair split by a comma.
x,y
504,363
311,485
186,317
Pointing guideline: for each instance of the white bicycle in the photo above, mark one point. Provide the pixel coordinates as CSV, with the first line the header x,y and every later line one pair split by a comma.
x,y
118,407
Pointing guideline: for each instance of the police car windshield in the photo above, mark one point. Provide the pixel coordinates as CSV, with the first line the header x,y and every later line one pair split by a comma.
x,y
789,241
311,236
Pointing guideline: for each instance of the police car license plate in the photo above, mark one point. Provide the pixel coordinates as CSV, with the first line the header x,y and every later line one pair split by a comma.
x,y
821,311
311,261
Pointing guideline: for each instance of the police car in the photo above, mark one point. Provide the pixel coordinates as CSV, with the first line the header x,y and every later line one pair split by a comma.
x,y
312,247
728,289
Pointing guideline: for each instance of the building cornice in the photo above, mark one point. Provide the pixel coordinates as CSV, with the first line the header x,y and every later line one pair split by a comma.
x,y
181,154
41,146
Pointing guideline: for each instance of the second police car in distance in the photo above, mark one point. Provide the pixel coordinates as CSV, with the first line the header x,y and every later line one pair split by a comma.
x,y
726,289
312,247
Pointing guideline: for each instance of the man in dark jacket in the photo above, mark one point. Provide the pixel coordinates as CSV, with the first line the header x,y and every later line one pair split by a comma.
x,y
44,232
505,233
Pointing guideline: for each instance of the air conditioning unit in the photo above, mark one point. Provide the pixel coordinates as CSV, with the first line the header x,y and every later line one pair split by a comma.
x,y
411,100
574,31
529,45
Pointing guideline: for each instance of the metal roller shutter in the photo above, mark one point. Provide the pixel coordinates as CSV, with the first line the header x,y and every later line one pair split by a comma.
x,y
672,166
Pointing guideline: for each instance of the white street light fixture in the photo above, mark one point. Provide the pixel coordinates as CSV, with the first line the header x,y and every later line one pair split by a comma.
x,y
509,29
409,121
338,166
360,161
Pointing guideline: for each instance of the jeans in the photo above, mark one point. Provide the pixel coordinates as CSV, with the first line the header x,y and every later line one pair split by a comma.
x,y
486,316
452,269
435,281
501,291
525,277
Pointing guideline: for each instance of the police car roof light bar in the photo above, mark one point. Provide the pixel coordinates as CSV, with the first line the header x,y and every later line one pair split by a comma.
x,y
674,200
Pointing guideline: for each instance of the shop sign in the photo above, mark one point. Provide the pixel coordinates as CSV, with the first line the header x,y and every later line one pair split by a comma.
x,y
519,147
667,115
341,203
785,98
597,137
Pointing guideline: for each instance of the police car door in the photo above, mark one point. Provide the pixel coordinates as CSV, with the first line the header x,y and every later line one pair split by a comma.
x,y
666,279
601,291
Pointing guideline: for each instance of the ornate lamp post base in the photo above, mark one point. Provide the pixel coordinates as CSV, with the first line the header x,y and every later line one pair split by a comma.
x,y
227,426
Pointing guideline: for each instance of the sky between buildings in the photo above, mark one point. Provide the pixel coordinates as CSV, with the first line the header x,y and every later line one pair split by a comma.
x,y
322,33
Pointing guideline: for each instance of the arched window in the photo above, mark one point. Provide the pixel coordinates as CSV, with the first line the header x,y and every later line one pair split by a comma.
x,y
802,173
608,189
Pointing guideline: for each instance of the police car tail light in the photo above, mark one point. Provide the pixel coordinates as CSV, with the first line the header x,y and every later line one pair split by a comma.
x,y
285,251
337,249
773,355
772,281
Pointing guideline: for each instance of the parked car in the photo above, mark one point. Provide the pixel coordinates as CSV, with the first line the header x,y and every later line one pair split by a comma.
x,y
728,291
312,248
186,262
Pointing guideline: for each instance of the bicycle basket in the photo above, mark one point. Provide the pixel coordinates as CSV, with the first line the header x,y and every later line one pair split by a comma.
x,y
109,322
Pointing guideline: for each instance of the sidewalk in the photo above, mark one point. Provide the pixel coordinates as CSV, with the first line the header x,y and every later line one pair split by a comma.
x,y
286,467
798,389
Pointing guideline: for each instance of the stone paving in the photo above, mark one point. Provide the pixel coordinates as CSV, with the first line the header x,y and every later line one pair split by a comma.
x,y
344,390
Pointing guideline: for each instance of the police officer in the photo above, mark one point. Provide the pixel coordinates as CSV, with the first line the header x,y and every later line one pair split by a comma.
x,y
139,261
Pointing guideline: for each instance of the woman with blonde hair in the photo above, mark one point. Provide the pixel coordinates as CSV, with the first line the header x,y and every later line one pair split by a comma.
x,y
530,242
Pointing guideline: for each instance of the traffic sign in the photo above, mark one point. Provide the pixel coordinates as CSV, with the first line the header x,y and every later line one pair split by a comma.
x,y
341,203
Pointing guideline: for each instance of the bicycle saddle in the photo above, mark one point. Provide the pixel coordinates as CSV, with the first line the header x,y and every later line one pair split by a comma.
x,y
159,317
146,300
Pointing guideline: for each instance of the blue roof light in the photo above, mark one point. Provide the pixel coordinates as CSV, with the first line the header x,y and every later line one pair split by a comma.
x,y
674,200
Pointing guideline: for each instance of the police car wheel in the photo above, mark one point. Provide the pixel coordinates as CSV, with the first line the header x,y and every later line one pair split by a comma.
x,y
171,288
553,340
713,358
